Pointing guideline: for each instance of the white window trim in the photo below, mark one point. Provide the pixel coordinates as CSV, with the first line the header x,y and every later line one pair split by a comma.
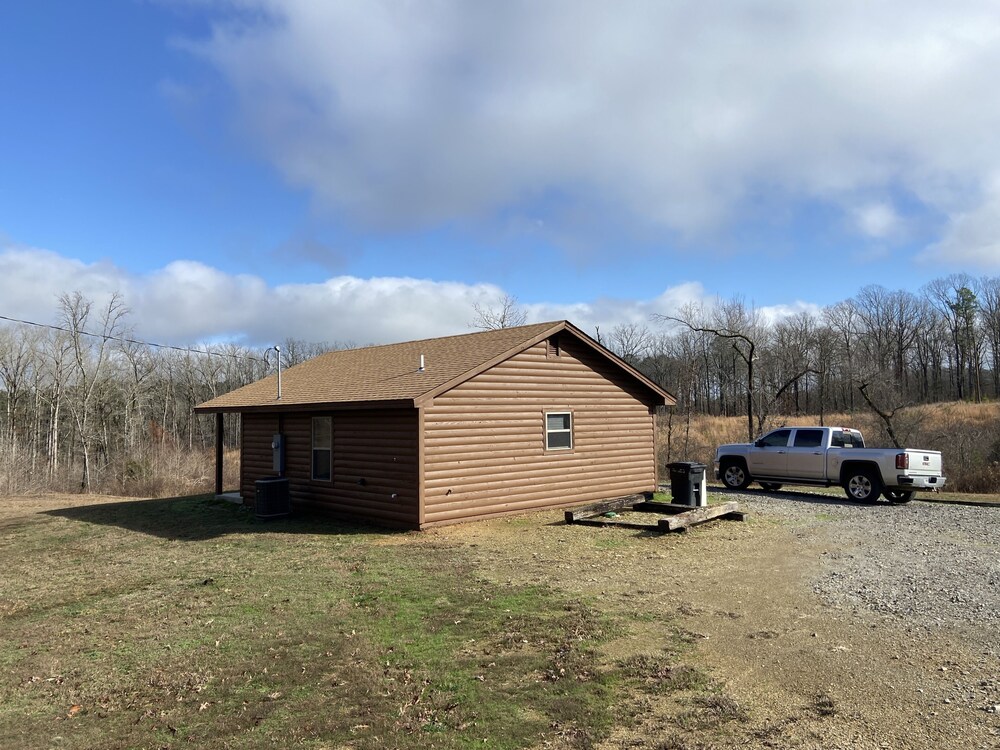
x,y
548,432
312,453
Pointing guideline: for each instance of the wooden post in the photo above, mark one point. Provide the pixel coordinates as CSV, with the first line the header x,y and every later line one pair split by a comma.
x,y
690,518
218,452
595,509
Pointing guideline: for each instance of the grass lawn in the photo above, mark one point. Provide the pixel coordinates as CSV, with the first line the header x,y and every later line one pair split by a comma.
x,y
188,623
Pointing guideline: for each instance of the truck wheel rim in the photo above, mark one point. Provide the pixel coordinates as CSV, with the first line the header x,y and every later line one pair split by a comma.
x,y
734,476
860,487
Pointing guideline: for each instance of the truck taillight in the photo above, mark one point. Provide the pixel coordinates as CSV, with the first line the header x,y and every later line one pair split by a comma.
x,y
902,460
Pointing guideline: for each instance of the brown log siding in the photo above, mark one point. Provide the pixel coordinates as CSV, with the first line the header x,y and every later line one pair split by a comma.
x,y
484,439
255,451
378,446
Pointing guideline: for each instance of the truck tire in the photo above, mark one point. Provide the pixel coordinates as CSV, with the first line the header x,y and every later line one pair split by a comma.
x,y
734,474
898,497
863,484
770,486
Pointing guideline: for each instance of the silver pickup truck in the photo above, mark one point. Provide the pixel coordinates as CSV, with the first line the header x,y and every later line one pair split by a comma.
x,y
825,456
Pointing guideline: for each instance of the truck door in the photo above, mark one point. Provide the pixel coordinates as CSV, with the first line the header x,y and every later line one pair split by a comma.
x,y
807,454
769,456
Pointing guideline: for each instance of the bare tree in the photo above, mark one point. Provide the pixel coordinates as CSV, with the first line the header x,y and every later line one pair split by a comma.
x,y
90,360
504,312
739,327
957,303
631,341
988,290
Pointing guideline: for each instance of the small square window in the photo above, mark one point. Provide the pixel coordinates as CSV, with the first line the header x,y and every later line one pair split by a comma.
x,y
558,430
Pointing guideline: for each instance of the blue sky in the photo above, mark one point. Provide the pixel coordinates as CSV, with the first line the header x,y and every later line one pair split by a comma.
x,y
255,169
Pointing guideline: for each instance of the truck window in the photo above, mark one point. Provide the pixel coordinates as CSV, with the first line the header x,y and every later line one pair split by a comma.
x,y
847,440
776,439
808,438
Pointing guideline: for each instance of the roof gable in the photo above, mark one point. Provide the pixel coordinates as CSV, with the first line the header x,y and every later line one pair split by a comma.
x,y
390,374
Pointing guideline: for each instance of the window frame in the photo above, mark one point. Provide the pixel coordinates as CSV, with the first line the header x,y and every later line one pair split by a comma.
x,y
818,437
315,449
548,432
763,444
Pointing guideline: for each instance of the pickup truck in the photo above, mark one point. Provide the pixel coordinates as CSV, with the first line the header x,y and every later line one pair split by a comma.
x,y
826,456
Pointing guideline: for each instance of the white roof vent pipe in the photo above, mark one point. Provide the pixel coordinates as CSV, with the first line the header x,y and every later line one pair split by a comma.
x,y
277,353
421,368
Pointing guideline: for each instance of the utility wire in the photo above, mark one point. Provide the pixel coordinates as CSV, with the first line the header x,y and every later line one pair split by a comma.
x,y
133,341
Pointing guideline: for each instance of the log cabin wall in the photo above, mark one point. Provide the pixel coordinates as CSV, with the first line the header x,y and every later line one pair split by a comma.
x,y
484,440
374,457
255,452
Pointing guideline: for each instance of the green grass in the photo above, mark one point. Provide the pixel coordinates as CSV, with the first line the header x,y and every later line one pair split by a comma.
x,y
186,622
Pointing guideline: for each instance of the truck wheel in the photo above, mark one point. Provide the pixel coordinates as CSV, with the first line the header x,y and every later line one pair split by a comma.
x,y
862,485
770,486
898,497
734,475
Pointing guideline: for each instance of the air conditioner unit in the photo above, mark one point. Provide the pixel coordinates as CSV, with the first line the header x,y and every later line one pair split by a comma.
x,y
273,500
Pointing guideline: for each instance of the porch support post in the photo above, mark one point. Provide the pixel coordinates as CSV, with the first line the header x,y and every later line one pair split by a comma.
x,y
218,452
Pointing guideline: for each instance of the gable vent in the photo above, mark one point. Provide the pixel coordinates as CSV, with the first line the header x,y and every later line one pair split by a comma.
x,y
553,348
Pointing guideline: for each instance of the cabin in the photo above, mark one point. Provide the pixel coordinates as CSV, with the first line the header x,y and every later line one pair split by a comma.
x,y
451,429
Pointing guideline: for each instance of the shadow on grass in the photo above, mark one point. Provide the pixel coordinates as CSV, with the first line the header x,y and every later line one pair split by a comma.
x,y
200,517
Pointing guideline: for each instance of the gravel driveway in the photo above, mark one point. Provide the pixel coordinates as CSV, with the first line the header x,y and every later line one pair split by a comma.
x,y
934,564
928,572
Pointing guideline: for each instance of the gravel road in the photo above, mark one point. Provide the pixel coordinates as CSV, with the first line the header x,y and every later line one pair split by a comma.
x,y
930,571
936,565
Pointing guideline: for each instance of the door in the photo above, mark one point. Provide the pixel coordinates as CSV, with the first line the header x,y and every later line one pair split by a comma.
x,y
807,455
769,456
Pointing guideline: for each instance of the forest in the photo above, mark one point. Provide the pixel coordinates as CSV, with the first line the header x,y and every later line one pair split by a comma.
x,y
89,407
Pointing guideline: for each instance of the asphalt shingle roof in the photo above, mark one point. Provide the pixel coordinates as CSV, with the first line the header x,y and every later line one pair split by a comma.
x,y
382,373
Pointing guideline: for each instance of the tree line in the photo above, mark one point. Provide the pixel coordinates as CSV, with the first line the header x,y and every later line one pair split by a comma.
x,y
88,407
881,350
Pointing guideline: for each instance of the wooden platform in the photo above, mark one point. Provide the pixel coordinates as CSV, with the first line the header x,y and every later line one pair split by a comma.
x,y
681,517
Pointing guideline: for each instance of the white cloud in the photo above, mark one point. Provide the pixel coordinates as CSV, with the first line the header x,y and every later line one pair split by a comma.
x,y
188,302
972,238
877,220
677,114
772,314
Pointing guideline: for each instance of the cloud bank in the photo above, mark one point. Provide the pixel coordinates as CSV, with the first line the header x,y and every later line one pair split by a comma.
x,y
682,116
188,302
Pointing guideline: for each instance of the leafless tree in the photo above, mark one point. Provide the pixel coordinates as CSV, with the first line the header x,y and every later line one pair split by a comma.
x,y
631,341
504,312
90,359
738,326
988,290
957,303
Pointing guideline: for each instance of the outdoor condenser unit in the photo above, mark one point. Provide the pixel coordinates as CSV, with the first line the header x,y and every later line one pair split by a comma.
x,y
272,500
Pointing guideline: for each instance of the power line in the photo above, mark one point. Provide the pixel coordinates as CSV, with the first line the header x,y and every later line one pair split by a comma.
x,y
125,340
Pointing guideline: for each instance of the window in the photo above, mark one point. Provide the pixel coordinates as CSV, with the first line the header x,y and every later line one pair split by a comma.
x,y
847,440
776,439
322,448
558,430
808,438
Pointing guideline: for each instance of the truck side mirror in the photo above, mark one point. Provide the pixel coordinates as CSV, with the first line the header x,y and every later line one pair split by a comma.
x,y
760,444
